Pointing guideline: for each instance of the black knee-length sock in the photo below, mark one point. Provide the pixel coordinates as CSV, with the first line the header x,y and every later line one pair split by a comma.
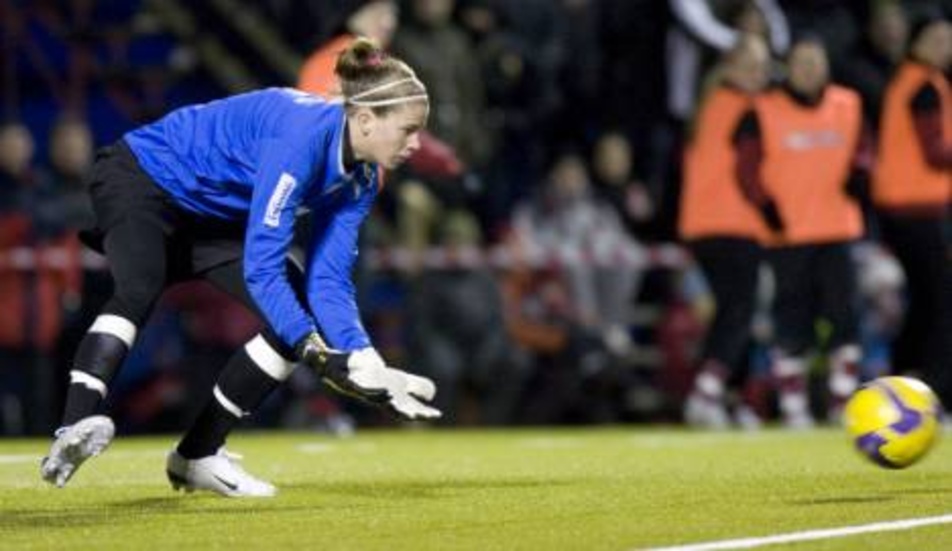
x,y
241,387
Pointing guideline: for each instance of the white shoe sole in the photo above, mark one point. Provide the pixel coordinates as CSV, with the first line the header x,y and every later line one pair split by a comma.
x,y
181,481
89,437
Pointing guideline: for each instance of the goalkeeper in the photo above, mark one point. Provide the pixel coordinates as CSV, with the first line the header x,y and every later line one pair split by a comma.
x,y
212,191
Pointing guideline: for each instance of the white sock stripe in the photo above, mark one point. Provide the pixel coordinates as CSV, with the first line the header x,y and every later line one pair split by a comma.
x,y
709,385
116,326
794,402
790,367
226,403
77,377
846,354
843,384
268,359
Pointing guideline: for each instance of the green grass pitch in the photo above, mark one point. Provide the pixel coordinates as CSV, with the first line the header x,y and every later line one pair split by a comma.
x,y
618,488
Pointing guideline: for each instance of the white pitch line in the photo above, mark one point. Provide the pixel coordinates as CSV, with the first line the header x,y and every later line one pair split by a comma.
x,y
19,458
316,447
321,447
810,535
10,459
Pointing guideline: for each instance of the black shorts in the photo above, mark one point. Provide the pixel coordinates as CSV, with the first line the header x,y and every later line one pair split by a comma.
x,y
124,196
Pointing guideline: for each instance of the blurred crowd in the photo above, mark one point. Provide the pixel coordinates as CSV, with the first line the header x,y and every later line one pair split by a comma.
x,y
528,258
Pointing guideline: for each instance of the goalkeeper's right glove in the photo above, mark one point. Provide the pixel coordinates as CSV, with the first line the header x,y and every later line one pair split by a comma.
x,y
362,374
340,369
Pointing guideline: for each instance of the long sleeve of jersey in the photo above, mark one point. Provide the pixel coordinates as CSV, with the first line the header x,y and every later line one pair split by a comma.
x,y
331,257
748,143
701,23
278,192
927,115
698,18
778,28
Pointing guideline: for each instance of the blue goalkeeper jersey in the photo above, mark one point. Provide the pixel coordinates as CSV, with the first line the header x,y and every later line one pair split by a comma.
x,y
262,157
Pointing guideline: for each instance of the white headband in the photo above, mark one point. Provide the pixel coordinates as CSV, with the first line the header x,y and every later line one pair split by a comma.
x,y
355,99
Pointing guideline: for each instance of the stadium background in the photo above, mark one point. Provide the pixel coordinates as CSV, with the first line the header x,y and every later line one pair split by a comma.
x,y
526,93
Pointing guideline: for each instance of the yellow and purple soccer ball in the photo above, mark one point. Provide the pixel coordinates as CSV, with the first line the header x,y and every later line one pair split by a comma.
x,y
894,421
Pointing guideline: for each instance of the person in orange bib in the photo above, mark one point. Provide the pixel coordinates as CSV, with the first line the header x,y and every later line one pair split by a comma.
x,y
810,146
723,223
912,190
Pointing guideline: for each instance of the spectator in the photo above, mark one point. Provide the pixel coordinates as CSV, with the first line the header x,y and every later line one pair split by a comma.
x,y
16,156
45,284
713,25
872,63
374,19
613,169
724,223
59,208
16,176
443,56
71,155
808,136
431,41
700,29
566,223
565,357
460,336
36,284
912,191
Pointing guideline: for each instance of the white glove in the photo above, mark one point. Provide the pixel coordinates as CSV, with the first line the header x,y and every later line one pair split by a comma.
x,y
362,374
417,385
368,370
405,390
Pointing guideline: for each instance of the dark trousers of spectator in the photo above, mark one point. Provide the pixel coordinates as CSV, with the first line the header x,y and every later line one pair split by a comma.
x,y
920,245
812,282
17,367
730,266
